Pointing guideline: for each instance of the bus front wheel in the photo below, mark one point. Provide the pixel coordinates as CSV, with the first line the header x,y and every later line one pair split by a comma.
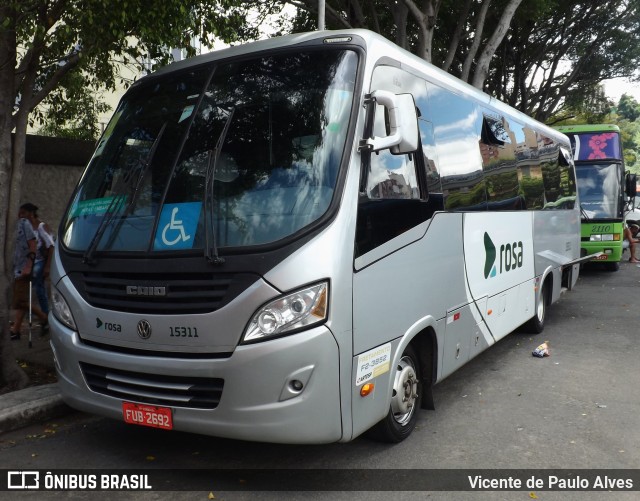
x,y
405,400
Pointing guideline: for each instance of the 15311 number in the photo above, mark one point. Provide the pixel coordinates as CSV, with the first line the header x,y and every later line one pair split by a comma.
x,y
183,332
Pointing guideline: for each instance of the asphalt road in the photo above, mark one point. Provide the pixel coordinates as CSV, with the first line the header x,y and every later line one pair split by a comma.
x,y
576,409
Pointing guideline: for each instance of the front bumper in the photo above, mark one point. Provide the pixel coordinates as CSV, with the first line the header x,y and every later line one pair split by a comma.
x,y
258,401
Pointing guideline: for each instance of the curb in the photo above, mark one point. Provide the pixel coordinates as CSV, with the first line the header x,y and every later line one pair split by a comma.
x,y
31,405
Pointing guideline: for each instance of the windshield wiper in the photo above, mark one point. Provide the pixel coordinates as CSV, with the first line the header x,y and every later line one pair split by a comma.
x,y
584,213
119,198
143,171
211,247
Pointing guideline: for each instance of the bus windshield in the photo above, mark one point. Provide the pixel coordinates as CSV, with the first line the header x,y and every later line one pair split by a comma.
x,y
243,152
599,189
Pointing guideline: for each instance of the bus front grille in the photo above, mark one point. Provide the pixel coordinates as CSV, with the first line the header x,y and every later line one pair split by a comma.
x,y
160,293
154,389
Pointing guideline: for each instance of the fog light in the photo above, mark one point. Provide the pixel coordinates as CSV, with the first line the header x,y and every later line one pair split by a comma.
x,y
296,385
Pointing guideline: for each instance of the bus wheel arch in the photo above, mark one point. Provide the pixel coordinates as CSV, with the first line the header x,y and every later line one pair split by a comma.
x,y
543,300
412,381
426,346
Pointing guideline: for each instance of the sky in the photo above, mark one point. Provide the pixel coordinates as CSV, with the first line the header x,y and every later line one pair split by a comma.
x,y
615,87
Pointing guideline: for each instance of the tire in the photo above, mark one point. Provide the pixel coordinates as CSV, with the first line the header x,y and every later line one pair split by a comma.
x,y
405,401
536,324
613,266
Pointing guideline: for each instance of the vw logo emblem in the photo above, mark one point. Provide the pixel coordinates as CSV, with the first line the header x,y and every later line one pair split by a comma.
x,y
144,329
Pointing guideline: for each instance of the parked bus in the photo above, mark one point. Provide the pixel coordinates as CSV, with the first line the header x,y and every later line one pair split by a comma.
x,y
602,185
293,240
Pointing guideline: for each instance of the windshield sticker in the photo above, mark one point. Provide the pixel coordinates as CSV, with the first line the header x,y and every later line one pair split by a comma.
x,y
93,207
177,226
186,112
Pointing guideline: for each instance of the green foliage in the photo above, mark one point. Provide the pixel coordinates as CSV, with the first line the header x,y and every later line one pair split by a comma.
x,y
72,111
93,39
625,115
628,108
590,106
557,52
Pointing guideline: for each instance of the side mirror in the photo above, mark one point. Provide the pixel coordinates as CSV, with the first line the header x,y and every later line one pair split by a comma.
x,y
403,124
630,185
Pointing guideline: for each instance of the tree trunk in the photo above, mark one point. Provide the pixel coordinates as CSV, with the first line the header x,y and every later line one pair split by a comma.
x,y
400,13
457,36
426,23
477,38
482,67
12,377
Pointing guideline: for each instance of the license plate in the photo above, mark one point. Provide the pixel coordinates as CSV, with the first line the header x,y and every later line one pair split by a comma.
x,y
147,415
603,257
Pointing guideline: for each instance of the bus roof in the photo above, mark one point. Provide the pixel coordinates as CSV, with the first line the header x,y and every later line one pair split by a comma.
x,y
588,128
375,44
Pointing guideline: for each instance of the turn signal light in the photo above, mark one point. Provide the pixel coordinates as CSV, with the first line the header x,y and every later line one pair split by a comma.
x,y
366,389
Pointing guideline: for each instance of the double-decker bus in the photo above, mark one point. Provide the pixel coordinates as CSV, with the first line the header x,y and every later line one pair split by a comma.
x,y
294,240
602,185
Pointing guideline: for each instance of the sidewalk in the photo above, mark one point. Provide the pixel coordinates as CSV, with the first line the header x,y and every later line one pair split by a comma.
x,y
41,400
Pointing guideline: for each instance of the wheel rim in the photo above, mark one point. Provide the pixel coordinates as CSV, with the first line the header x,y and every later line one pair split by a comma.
x,y
405,391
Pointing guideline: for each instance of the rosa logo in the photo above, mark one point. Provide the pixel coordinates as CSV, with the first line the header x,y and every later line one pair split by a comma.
x,y
510,257
490,257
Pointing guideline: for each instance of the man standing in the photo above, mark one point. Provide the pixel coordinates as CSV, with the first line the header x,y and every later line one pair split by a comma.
x,y
44,253
630,234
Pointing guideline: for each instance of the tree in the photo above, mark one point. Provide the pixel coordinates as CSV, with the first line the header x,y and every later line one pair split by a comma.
x,y
590,107
628,108
597,109
412,24
630,134
560,50
537,56
72,111
50,45
626,117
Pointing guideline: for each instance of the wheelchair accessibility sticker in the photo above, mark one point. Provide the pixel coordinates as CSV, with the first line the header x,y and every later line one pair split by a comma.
x,y
177,227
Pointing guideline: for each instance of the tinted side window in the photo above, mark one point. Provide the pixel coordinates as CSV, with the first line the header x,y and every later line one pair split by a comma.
x,y
430,156
529,170
498,146
550,170
457,123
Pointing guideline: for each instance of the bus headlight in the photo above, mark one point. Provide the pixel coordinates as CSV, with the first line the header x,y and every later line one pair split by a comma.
x,y
61,309
299,309
608,237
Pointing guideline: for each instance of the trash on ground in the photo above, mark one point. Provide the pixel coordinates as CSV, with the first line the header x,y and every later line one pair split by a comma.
x,y
542,350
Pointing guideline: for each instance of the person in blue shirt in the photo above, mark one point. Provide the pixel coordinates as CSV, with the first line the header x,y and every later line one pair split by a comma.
x,y
44,253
